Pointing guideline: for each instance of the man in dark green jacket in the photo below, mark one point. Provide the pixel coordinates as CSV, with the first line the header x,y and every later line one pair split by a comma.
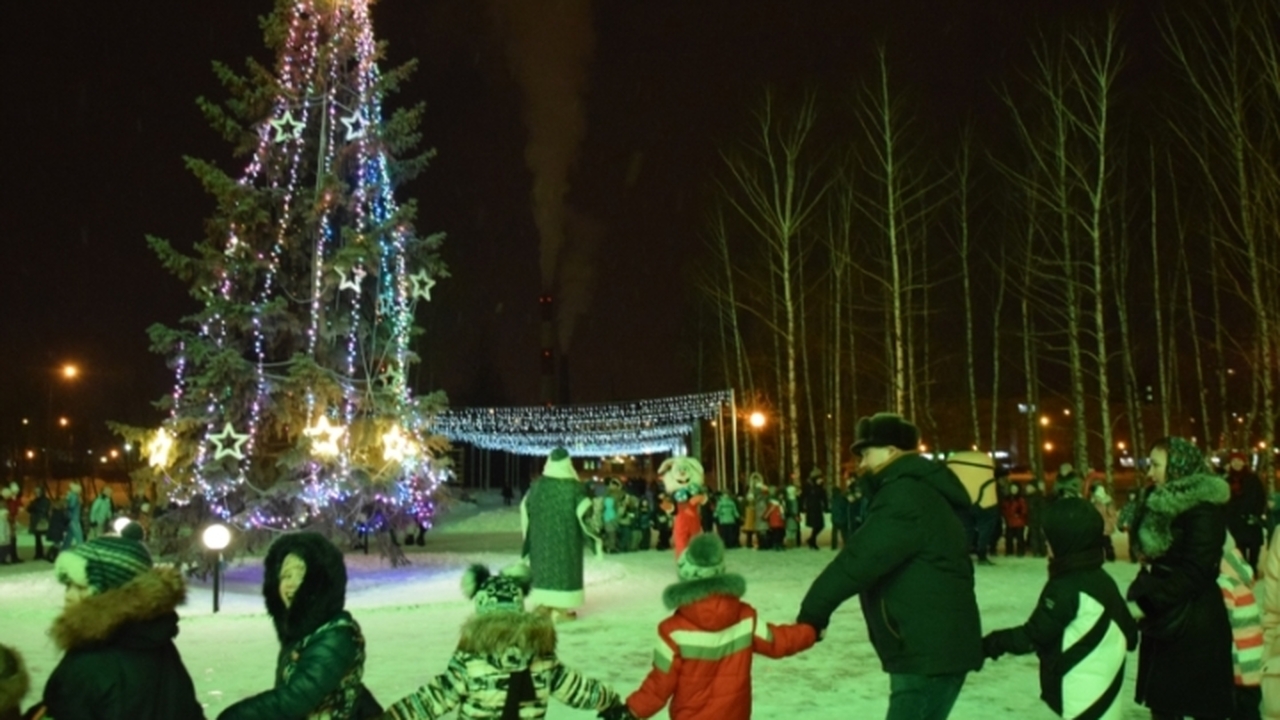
x,y
909,564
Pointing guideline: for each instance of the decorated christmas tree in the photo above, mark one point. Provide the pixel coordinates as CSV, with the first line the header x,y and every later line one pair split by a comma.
x,y
291,405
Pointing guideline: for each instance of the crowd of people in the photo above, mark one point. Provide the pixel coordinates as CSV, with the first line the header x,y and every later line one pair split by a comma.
x,y
909,535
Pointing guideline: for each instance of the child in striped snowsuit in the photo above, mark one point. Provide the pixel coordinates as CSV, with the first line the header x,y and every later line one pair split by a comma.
x,y
1235,578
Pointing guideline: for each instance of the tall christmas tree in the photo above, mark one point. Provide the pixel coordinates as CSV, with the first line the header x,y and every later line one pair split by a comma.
x,y
291,406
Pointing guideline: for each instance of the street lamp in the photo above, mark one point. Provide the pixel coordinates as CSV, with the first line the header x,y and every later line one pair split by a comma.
x,y
216,537
757,419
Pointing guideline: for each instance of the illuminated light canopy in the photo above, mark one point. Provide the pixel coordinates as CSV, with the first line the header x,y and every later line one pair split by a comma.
x,y
635,428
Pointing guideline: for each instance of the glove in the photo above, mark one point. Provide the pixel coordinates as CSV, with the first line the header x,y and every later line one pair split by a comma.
x,y
992,648
616,712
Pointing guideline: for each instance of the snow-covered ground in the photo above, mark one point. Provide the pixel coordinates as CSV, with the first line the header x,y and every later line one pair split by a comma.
x,y
411,618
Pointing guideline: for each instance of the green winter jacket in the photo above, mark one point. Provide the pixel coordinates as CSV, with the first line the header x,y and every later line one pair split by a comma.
x,y
321,662
909,564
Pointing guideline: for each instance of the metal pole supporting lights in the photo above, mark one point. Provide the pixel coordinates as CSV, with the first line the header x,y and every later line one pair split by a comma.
x,y
216,537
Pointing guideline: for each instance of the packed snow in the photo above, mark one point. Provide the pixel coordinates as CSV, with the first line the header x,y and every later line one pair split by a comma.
x,y
411,617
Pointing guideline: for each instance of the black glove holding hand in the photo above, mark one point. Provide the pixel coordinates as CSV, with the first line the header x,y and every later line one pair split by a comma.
x,y
616,712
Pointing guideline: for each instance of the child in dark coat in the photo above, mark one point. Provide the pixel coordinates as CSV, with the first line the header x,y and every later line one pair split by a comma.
x,y
1081,627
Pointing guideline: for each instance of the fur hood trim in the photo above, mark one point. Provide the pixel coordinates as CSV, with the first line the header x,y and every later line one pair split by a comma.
x,y
691,591
498,631
14,680
1166,502
323,593
97,618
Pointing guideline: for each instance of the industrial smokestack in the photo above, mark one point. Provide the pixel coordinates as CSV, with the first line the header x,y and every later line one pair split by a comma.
x,y
549,379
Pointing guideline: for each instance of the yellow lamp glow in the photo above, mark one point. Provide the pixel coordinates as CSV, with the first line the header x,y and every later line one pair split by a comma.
x,y
757,419
159,449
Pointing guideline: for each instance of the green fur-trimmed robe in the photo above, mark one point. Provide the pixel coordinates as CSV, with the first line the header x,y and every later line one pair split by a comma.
x,y
494,647
554,536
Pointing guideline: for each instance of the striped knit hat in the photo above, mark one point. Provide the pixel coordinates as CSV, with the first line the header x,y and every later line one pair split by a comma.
x,y
103,563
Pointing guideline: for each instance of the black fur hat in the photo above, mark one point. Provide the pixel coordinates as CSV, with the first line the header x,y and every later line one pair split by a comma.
x,y
885,430
323,592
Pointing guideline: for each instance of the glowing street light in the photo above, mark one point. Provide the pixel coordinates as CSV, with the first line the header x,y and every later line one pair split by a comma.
x,y
1044,421
1048,447
1120,445
216,537
70,372
757,419
63,422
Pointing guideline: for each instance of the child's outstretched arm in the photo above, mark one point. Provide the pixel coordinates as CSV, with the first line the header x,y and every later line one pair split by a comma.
x,y
578,691
779,641
1043,629
441,694
660,683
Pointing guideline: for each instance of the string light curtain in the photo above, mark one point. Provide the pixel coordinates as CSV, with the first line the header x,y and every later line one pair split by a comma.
x,y
633,428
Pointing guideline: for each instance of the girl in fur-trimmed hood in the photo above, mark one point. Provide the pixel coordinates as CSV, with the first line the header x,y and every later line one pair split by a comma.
x,y
505,666
702,661
1184,660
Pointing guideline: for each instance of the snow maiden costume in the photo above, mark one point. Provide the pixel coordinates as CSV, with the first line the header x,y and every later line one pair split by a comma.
x,y
1184,659
553,515
505,666
682,478
1081,627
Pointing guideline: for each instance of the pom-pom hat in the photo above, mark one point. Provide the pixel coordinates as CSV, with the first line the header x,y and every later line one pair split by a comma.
x,y
703,558
504,591
103,563
885,430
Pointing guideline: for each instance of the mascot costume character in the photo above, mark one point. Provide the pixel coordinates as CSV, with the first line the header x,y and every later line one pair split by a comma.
x,y
682,478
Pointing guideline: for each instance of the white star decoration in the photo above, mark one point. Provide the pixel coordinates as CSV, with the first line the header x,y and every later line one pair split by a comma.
x,y
396,446
352,282
325,437
287,128
422,284
229,435
356,125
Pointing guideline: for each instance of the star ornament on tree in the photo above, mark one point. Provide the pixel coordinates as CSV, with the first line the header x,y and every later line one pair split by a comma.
x,y
351,282
392,377
229,435
396,446
356,125
287,128
325,437
421,284
159,449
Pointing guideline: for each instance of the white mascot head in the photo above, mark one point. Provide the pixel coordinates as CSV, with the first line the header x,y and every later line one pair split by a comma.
x,y
682,477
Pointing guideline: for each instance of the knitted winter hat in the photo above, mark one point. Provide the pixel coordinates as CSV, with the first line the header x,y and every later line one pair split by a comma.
x,y
103,563
703,558
1185,459
559,465
1072,525
885,430
504,591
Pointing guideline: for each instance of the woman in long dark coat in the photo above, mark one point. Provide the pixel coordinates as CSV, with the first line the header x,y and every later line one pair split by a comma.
x,y
1247,509
1184,660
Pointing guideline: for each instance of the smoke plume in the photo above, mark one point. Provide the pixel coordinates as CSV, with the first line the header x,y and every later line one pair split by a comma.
x,y
549,45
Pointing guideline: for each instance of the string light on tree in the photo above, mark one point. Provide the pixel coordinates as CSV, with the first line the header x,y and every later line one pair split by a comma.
x,y
275,347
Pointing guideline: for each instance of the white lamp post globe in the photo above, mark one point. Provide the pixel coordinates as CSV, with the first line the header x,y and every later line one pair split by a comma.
x,y
216,537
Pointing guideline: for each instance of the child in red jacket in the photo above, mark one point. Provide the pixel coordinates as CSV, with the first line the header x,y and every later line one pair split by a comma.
x,y
702,663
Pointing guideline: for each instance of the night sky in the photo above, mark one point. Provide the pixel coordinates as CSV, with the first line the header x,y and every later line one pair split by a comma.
x,y
100,109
